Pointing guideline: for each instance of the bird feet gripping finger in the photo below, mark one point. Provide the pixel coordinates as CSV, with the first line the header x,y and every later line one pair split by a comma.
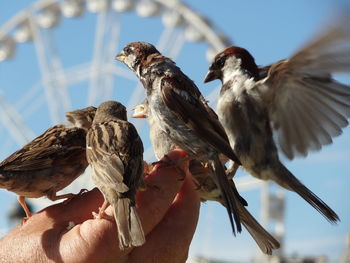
x,y
102,214
69,197
147,168
181,165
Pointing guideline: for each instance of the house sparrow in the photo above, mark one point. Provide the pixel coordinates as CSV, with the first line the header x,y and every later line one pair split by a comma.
x,y
159,140
297,98
115,153
46,165
82,118
182,113
204,182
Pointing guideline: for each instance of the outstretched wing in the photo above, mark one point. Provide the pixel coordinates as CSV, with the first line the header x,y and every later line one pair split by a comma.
x,y
307,107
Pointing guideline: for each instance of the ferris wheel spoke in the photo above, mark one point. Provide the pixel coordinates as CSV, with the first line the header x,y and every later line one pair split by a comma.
x,y
53,77
175,48
164,38
58,76
33,92
83,72
14,123
34,106
96,60
106,39
111,47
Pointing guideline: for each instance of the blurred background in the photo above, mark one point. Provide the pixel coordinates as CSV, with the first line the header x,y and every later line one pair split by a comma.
x,y
58,55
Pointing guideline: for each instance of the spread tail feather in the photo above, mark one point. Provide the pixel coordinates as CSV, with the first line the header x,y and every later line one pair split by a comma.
x,y
287,180
264,239
130,232
229,193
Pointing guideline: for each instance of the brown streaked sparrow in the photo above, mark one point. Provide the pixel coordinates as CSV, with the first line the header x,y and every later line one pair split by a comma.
x,y
203,179
46,165
297,98
181,112
115,152
82,118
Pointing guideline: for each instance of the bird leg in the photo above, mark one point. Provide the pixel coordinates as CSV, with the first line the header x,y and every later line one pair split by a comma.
x,y
231,170
169,163
21,200
147,168
101,212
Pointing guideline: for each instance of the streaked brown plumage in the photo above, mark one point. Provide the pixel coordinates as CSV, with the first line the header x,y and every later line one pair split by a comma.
x,y
82,118
115,153
203,179
46,165
296,98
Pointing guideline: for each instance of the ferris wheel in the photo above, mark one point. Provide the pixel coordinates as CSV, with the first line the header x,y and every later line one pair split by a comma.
x,y
51,91
60,86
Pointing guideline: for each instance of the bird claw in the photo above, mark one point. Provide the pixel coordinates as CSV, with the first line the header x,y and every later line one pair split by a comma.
x,y
147,168
84,190
169,163
96,215
231,171
24,220
102,215
70,197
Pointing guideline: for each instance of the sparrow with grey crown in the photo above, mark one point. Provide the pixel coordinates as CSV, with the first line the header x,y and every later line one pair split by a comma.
x,y
115,152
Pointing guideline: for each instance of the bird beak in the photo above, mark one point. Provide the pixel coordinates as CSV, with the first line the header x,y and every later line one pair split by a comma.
x,y
211,75
121,56
139,113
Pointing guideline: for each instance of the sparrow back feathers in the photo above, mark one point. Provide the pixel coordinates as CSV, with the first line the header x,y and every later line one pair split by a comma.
x,y
46,165
115,153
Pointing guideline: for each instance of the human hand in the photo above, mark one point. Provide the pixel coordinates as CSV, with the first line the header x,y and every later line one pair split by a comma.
x,y
168,209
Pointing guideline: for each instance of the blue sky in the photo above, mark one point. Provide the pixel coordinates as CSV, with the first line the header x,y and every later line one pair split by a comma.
x,y
270,30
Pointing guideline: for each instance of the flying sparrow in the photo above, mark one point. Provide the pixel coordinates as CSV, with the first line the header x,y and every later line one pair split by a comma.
x,y
82,118
46,165
203,179
115,153
296,98
182,113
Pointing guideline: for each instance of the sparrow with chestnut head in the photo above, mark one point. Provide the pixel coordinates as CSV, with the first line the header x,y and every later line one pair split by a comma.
x,y
182,113
296,98
202,177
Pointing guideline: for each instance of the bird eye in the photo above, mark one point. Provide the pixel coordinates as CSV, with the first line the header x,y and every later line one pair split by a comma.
x,y
127,50
220,61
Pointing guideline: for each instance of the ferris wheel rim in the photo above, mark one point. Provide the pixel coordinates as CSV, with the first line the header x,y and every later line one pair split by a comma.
x,y
214,37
